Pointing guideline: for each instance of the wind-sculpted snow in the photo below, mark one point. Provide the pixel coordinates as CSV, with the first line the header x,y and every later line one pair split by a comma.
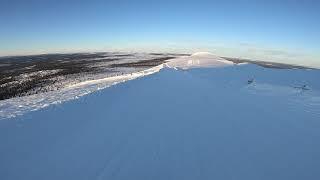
x,y
232,122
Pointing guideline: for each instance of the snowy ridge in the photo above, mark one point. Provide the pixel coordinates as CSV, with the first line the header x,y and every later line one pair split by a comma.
x,y
119,78
20,105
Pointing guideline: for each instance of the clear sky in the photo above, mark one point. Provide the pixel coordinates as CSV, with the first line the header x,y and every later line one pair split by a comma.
x,y
278,30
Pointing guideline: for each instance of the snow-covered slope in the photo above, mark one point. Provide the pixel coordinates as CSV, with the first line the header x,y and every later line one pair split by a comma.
x,y
196,124
20,105
197,60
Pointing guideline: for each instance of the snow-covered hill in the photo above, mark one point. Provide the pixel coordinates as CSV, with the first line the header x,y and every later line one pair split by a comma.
x,y
77,85
230,122
198,60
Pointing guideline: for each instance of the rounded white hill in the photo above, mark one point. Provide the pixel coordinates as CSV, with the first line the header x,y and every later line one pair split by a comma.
x,y
199,54
198,60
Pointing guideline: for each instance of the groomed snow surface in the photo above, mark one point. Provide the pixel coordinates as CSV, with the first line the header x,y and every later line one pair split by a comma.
x,y
203,123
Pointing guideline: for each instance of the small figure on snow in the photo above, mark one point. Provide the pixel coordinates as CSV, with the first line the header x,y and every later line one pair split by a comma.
x,y
304,87
250,81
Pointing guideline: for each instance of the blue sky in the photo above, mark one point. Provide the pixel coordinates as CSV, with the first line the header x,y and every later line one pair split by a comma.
x,y
279,30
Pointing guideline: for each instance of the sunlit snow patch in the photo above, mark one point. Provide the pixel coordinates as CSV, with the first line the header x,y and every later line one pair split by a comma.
x,y
198,60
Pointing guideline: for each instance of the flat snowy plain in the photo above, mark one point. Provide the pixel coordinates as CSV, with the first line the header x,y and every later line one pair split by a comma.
x,y
179,123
